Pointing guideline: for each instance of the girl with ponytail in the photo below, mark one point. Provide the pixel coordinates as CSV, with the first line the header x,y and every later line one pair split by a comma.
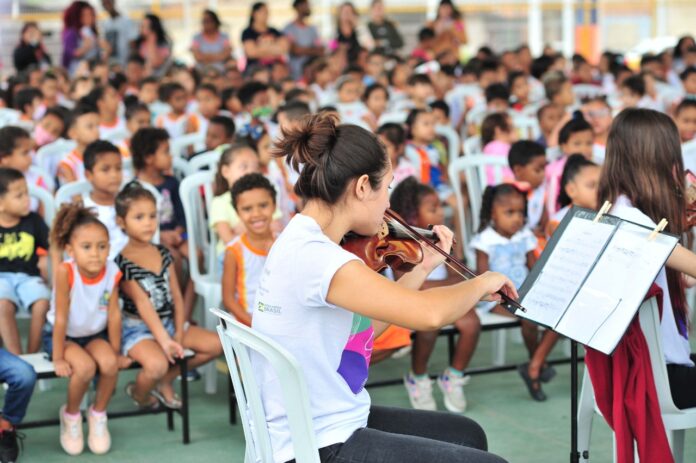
x,y
324,306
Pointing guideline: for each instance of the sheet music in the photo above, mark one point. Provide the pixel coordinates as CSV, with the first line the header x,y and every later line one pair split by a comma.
x,y
572,260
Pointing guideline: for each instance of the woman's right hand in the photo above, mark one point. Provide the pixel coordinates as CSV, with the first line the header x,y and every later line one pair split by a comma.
x,y
492,282
62,368
172,349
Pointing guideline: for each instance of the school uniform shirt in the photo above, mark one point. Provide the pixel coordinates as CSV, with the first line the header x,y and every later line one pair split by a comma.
x,y
506,255
403,170
675,338
89,300
175,126
497,149
250,262
106,131
171,213
199,123
107,215
332,344
19,245
74,163
536,202
353,113
599,152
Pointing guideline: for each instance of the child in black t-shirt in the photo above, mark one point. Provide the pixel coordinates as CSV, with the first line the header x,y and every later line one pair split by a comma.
x,y
23,237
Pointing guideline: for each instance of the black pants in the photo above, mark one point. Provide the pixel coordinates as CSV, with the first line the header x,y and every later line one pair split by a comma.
x,y
682,384
399,435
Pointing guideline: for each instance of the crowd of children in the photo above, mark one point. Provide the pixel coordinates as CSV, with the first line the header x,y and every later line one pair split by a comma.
x,y
106,282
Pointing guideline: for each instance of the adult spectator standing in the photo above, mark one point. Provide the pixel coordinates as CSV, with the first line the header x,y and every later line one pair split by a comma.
x,y
211,46
384,32
120,32
303,38
154,46
350,37
263,45
81,41
30,50
449,27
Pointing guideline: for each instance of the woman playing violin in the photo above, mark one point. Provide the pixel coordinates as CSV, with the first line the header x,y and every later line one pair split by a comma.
x,y
324,305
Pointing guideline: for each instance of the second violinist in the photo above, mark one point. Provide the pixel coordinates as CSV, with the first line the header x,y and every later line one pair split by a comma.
x,y
324,306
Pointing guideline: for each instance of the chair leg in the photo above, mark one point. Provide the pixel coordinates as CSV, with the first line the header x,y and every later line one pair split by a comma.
x,y
585,417
210,372
499,338
232,400
677,444
185,403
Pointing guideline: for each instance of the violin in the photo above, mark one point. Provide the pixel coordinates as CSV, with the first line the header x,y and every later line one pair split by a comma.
x,y
398,245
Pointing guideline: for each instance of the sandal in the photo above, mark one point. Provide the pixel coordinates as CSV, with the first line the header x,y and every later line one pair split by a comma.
x,y
547,373
174,403
533,384
143,406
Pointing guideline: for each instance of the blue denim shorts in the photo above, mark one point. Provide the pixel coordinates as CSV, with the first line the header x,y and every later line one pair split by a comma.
x,y
47,339
135,330
22,289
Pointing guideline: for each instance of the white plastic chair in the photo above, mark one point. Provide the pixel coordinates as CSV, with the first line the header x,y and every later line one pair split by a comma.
x,y
181,168
117,136
178,146
474,168
527,127
50,181
676,421
472,145
583,91
453,145
238,342
395,117
209,160
49,156
9,116
206,282
46,200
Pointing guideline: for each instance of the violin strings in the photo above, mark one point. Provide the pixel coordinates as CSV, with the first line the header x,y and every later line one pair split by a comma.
x,y
407,232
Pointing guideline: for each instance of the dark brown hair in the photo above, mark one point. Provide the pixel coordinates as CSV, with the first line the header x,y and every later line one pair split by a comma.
x,y
69,218
490,123
220,185
644,163
331,155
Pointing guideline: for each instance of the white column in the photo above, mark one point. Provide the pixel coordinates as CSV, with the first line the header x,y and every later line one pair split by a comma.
x,y
568,28
535,37
660,28
327,20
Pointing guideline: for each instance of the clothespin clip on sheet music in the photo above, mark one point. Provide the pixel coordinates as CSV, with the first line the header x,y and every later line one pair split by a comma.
x,y
603,210
658,229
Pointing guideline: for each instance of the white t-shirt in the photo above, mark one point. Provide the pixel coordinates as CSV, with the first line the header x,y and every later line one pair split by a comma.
x,y
675,346
333,345
107,215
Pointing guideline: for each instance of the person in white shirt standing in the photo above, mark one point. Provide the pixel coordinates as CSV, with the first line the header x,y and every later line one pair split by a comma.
x,y
120,32
313,310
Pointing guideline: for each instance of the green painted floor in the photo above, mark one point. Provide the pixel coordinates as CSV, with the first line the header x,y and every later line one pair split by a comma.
x,y
518,429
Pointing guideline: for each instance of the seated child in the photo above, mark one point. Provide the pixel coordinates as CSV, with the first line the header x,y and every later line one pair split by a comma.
x,y
633,92
220,133
519,90
441,112
83,333
23,236
20,378
575,137
549,115
597,112
15,152
235,162
497,98
349,106
138,117
559,90
376,98
107,101
527,160
28,102
51,126
685,118
579,185
177,121
256,109
421,152
688,79
253,199
83,128
148,92
497,134
420,206
393,137
424,49
154,328
103,170
209,105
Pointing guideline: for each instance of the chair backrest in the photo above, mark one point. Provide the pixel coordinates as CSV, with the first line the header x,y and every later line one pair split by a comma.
x,y
238,342
178,146
117,136
527,127
49,156
46,200
472,145
209,160
48,180
650,325
9,116
453,145
474,168
198,234
395,117
582,91
181,168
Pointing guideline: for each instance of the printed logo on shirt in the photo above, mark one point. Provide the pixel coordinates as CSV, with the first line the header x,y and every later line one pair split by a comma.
x,y
267,308
17,246
104,301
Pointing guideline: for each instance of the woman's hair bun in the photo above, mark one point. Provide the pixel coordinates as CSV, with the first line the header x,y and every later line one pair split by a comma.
x,y
313,138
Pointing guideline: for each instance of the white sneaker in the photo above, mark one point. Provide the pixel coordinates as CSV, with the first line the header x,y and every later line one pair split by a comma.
x,y
452,388
71,438
98,437
420,392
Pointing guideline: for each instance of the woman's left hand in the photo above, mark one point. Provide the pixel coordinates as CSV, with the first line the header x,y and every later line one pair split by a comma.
x,y
431,258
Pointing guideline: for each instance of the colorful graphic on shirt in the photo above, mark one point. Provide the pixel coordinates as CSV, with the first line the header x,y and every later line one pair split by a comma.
x,y
104,301
355,359
17,246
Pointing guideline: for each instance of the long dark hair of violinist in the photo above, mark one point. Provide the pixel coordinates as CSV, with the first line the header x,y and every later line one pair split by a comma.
x,y
644,163
331,155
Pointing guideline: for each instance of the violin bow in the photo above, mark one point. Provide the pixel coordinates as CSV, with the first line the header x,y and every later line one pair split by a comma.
x,y
508,302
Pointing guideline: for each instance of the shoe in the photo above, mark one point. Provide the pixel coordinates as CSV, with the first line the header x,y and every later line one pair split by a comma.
x,y
403,352
191,375
533,384
98,437
71,438
9,445
420,392
153,405
547,373
174,403
452,388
